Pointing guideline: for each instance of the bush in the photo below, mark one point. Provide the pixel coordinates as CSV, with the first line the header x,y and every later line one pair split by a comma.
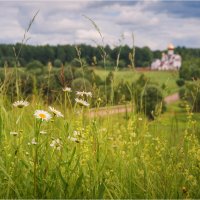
x,y
69,73
34,64
190,70
35,67
180,82
92,77
122,64
79,73
149,100
182,92
192,95
81,84
57,63
195,73
76,62
122,92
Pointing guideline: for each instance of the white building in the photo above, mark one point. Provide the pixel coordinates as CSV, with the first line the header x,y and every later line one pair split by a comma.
x,y
169,61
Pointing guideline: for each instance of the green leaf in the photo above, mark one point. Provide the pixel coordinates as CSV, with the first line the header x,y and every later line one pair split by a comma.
x,y
77,186
101,191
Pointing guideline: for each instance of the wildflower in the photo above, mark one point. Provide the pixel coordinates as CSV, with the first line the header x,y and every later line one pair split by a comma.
x,y
88,94
82,102
76,133
33,141
20,104
43,115
67,89
73,139
99,99
55,112
43,132
56,144
184,189
13,133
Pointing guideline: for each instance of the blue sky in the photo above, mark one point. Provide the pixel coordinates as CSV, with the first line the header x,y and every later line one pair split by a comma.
x,y
154,23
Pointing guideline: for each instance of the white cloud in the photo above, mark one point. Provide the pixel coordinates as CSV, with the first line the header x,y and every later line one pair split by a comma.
x,y
63,22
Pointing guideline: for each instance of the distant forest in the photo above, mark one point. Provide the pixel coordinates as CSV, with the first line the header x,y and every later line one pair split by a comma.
x,y
67,54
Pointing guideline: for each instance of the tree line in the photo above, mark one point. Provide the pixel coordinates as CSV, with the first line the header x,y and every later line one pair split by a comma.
x,y
67,54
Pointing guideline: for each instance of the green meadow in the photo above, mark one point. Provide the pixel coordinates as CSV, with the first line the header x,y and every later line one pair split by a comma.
x,y
61,152
158,77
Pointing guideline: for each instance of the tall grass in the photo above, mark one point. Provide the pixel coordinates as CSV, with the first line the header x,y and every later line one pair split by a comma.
x,y
111,157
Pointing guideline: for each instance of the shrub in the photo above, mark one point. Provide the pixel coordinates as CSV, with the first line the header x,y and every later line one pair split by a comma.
x,y
57,63
122,92
148,98
182,93
192,95
80,84
122,64
195,73
76,62
79,73
180,82
34,64
35,67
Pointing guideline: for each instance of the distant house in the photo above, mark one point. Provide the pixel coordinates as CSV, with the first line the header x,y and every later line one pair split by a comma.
x,y
169,61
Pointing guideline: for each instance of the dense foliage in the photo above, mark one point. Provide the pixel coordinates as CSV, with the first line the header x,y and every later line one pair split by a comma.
x,y
189,83
191,93
62,54
148,98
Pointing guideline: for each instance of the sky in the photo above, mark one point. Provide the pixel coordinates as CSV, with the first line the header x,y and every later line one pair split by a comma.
x,y
153,23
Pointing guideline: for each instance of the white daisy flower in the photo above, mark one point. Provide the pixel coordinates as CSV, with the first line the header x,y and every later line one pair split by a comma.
x,y
56,144
43,115
33,141
88,94
13,133
20,104
67,89
82,102
73,139
55,112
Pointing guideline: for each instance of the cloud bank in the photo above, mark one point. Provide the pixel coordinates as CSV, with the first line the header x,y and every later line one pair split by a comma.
x,y
153,23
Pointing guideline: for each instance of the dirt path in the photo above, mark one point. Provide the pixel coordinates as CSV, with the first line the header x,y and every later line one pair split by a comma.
x,y
172,98
103,111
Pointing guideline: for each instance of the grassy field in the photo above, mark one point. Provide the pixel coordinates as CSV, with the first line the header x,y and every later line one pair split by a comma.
x,y
120,156
60,152
161,77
